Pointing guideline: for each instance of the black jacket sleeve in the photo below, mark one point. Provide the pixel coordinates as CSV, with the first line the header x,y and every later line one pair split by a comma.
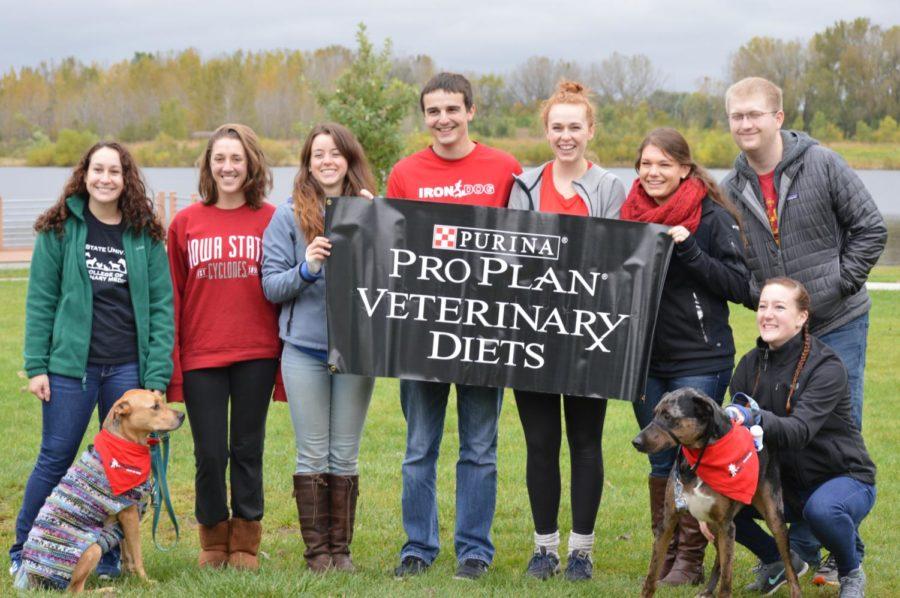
x,y
812,405
723,270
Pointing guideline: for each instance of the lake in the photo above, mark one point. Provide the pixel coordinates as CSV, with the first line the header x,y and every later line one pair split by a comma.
x,y
43,185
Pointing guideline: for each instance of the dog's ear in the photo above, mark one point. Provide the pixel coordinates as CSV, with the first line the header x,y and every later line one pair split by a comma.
x,y
713,414
121,409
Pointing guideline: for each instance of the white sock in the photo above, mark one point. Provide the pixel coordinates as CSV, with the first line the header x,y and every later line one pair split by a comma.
x,y
549,542
584,542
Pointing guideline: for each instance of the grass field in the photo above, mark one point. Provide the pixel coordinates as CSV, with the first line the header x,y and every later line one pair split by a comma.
x,y
623,538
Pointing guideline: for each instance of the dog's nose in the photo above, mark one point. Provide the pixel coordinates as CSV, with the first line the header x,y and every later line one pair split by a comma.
x,y
638,443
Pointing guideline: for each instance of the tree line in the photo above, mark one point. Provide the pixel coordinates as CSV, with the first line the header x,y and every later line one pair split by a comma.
x,y
841,84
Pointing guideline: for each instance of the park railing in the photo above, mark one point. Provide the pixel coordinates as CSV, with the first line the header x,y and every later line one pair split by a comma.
x,y
17,216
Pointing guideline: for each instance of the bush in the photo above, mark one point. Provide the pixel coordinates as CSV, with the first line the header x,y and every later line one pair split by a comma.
x,y
69,147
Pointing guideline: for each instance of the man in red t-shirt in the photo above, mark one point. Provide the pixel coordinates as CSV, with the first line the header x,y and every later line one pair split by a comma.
x,y
454,169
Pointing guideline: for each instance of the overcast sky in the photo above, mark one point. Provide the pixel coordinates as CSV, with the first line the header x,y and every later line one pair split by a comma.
x,y
686,39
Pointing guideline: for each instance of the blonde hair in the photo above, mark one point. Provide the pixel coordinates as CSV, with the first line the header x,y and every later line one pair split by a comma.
x,y
753,86
568,92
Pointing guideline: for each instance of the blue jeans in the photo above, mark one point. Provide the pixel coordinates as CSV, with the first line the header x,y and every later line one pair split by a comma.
x,y
478,409
328,411
65,420
714,385
849,342
833,512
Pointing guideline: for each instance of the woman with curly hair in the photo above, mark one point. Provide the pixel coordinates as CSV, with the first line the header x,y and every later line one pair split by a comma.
x,y
98,314
227,345
328,410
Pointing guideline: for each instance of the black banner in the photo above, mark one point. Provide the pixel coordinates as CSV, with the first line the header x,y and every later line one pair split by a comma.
x,y
492,297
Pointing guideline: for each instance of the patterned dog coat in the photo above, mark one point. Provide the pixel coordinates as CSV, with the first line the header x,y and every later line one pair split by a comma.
x,y
79,512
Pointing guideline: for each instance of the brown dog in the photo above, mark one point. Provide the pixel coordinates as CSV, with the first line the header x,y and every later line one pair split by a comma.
x,y
132,418
690,418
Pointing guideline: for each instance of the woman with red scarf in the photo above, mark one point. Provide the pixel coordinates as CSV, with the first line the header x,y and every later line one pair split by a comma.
x,y
693,344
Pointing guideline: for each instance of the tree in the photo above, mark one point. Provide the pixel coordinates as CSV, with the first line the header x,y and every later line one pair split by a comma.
x,y
535,79
625,79
781,62
371,103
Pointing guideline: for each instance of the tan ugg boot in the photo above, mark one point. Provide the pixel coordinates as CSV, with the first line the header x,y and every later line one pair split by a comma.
x,y
213,545
243,544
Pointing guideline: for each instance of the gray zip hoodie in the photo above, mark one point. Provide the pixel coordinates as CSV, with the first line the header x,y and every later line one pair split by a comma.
x,y
599,189
302,318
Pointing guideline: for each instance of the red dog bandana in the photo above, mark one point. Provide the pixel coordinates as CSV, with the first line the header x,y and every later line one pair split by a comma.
x,y
730,466
126,463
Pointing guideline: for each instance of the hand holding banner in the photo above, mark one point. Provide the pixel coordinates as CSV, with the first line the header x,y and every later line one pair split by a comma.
x,y
492,297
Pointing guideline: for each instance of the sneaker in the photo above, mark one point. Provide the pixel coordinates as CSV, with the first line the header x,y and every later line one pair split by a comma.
x,y
853,585
580,566
410,566
543,565
827,573
471,569
771,577
14,565
110,566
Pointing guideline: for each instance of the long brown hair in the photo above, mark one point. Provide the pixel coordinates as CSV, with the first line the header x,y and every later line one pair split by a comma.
x,y
308,195
259,176
134,203
802,299
673,143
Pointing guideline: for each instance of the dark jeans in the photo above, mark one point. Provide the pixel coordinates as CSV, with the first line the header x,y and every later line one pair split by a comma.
x,y
217,441
713,384
539,413
65,419
833,512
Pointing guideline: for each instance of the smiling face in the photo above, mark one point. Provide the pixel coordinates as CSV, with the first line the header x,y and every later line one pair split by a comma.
x,y
660,174
447,118
104,179
228,164
779,317
760,123
568,131
327,165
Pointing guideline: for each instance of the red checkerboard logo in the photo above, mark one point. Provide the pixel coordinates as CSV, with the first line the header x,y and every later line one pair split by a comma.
x,y
444,237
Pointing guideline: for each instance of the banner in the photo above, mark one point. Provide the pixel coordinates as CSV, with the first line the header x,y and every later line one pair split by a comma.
x,y
492,297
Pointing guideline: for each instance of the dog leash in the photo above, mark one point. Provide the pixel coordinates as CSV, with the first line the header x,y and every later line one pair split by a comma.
x,y
159,464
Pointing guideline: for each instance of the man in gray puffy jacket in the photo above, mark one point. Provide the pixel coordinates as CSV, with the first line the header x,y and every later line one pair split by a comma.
x,y
807,215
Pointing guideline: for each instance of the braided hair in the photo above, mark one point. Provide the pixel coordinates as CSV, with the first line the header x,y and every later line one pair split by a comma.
x,y
802,299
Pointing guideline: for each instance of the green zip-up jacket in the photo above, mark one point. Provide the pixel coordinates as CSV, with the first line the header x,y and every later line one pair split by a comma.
x,y
59,306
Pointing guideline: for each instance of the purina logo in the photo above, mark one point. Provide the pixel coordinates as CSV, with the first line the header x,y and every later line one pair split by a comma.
x,y
500,242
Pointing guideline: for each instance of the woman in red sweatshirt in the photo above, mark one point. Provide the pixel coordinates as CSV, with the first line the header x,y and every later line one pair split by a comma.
x,y
227,345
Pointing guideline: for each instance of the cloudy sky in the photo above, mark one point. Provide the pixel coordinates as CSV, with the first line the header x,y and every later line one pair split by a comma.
x,y
686,39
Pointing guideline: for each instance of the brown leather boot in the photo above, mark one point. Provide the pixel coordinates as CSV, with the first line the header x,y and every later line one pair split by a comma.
x,y
311,493
243,544
344,491
213,545
688,565
657,508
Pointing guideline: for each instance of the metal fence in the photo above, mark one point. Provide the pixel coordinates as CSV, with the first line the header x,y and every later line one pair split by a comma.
x,y
17,217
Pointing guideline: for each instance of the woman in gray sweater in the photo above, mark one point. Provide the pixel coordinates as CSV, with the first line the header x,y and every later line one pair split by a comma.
x,y
328,410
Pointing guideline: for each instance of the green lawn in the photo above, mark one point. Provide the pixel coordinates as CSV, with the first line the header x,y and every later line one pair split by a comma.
x,y
623,536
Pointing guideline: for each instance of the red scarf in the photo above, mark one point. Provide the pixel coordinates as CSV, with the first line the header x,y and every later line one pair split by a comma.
x,y
127,464
682,207
730,466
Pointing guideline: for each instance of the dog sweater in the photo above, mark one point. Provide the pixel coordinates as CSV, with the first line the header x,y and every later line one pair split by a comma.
x,y
75,516
730,466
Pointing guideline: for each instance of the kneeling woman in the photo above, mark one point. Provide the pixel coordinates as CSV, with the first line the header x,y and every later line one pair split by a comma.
x,y
328,410
827,476
572,185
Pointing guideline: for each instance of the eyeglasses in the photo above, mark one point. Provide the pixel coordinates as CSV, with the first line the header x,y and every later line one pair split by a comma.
x,y
755,116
